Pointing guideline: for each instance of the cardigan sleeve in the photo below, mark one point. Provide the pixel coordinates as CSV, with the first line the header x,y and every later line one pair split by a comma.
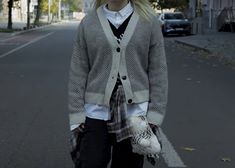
x,y
158,78
79,69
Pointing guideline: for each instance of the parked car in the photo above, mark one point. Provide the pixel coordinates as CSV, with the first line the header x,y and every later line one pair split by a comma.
x,y
175,23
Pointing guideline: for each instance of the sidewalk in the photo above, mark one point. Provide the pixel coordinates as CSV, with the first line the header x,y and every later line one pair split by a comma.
x,y
18,26
5,36
15,25
20,29
220,45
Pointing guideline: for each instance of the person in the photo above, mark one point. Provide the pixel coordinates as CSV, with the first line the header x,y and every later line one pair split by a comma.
x,y
118,69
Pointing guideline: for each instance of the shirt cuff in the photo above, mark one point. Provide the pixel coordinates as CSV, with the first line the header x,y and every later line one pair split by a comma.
x,y
72,127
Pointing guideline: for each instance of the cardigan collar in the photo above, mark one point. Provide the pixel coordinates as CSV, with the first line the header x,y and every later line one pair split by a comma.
x,y
108,31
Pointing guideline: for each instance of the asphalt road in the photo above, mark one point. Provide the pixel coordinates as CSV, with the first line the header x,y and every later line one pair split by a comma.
x,y
198,131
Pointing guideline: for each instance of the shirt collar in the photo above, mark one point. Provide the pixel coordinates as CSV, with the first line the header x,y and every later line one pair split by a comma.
x,y
123,12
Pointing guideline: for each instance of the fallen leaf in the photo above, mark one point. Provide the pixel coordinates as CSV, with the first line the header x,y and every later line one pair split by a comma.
x,y
189,149
226,159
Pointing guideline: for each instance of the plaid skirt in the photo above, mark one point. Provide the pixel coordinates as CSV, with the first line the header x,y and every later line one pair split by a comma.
x,y
118,124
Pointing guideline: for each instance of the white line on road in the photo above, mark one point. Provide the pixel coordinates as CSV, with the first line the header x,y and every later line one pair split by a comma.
x,y
169,154
7,39
24,45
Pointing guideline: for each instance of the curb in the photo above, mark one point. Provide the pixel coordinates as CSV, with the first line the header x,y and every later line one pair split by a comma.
x,y
40,27
193,46
29,30
220,58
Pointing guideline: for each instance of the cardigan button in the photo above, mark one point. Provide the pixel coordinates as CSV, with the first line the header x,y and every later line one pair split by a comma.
x,y
118,49
130,101
124,77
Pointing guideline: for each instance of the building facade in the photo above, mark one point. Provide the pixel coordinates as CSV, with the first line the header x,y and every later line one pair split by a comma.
x,y
3,10
212,15
19,10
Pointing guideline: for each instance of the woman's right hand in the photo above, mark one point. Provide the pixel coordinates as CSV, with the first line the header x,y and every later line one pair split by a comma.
x,y
75,136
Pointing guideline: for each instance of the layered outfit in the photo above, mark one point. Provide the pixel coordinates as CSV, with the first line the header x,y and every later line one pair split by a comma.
x,y
118,69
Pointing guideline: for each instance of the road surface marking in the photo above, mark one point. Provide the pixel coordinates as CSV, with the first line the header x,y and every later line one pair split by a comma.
x,y
169,154
24,45
8,39
4,44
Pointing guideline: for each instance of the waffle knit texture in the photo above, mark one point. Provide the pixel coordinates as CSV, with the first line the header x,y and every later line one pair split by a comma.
x,y
98,58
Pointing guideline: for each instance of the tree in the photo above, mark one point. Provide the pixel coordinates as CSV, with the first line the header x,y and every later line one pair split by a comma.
x,y
1,5
54,8
74,5
154,3
38,13
182,5
44,6
168,4
28,14
10,5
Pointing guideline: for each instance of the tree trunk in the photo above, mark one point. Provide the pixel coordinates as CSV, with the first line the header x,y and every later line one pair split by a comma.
x,y
28,14
10,5
38,14
52,18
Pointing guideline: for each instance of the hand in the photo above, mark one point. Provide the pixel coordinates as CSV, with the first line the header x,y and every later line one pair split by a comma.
x,y
75,139
80,128
155,128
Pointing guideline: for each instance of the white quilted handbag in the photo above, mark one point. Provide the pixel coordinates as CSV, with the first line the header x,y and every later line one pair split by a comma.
x,y
144,141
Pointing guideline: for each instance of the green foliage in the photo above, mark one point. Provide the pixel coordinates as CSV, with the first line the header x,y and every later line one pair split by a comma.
x,y
74,5
168,4
1,5
44,6
154,3
54,6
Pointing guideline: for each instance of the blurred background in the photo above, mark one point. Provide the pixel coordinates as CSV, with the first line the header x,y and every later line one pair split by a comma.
x,y
36,43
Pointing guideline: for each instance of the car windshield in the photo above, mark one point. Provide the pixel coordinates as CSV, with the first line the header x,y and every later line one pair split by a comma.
x,y
171,16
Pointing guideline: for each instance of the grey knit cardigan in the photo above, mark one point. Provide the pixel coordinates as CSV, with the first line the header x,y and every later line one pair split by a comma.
x,y
98,58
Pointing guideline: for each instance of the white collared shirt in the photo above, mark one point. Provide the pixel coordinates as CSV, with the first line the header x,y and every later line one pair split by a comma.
x,y
118,17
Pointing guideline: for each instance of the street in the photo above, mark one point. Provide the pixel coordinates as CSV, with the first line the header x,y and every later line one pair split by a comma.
x,y
197,131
